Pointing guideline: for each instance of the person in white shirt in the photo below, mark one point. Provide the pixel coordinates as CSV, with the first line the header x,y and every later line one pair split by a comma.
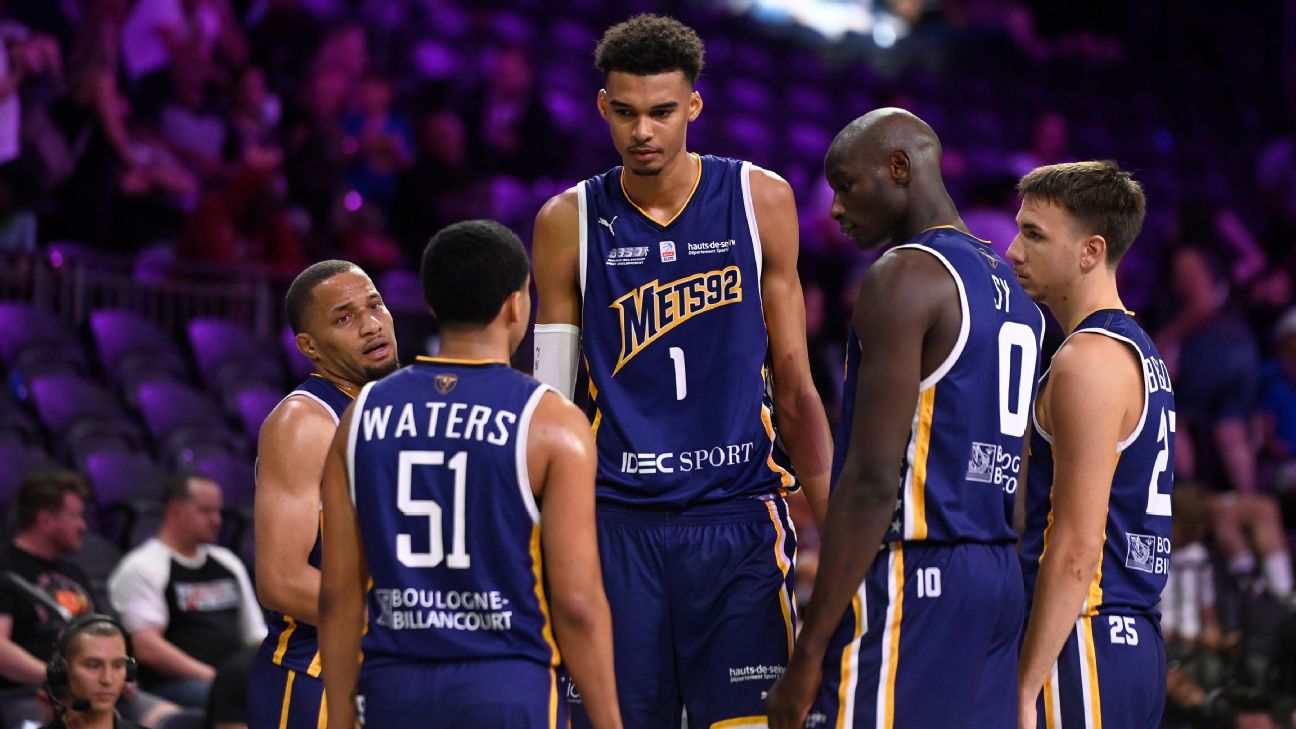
x,y
188,603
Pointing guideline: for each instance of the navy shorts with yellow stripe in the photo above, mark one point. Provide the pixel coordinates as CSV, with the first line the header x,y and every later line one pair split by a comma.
x,y
930,640
279,697
1111,673
491,693
702,611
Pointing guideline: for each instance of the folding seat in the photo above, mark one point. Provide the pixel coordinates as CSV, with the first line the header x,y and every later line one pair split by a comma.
x,y
217,341
63,399
235,474
19,459
128,490
180,417
252,404
23,326
126,340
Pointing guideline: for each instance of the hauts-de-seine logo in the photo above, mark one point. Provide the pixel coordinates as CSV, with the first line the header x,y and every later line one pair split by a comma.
x,y
655,308
444,383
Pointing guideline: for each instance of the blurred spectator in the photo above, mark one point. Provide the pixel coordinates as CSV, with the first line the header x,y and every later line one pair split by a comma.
x,y
1050,144
1253,710
990,210
510,130
157,32
227,703
1276,179
187,602
23,55
1278,407
378,142
313,151
192,122
283,41
51,524
1214,364
93,116
344,50
439,189
1188,617
253,134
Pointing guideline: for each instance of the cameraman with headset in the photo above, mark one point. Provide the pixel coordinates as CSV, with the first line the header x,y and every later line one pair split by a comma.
x,y
87,674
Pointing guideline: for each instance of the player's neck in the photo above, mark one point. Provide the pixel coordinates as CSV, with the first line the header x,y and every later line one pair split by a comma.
x,y
667,190
940,214
474,345
340,383
1089,294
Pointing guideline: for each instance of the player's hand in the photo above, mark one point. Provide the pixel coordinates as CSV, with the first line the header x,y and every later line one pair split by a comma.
x,y
789,699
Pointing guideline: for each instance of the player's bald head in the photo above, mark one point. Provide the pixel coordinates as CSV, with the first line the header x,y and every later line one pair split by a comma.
x,y
879,133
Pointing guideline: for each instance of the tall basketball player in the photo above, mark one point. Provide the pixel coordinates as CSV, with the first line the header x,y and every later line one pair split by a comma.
x,y
1096,550
346,331
466,490
940,372
674,277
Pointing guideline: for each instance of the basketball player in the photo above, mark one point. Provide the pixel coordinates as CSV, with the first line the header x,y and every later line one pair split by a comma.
x,y
1097,539
432,496
346,331
674,277
940,372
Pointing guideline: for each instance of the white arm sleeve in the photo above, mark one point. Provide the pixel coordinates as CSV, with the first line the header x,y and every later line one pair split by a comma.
x,y
556,348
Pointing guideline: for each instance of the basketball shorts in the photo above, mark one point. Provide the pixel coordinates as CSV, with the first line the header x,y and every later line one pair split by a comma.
x,y
702,611
279,697
930,640
1110,673
496,693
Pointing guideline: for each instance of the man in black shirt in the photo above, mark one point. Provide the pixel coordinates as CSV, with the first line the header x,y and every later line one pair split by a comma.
x,y
51,524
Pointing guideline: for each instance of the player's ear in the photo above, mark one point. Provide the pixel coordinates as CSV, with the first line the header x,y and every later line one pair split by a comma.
x,y
898,166
1093,252
306,345
602,103
695,105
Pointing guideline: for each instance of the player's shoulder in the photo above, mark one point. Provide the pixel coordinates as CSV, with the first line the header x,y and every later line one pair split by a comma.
x,y
1094,355
557,422
565,205
768,185
295,413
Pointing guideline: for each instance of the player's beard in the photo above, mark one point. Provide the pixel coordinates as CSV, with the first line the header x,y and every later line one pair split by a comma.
x,y
381,371
646,173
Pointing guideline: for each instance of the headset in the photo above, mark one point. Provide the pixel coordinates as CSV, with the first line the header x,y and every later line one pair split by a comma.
x,y
56,671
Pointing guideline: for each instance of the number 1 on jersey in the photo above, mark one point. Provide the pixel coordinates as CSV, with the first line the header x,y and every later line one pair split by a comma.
x,y
681,382
410,506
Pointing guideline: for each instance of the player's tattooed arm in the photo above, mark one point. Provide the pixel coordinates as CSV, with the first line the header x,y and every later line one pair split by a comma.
x,y
342,586
903,296
803,425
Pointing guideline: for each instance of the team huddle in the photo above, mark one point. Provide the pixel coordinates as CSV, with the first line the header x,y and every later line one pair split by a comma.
x,y
456,544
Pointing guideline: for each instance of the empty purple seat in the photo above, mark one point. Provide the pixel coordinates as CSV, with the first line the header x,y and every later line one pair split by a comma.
x,y
235,474
128,489
253,404
62,399
19,459
121,334
23,325
217,341
167,406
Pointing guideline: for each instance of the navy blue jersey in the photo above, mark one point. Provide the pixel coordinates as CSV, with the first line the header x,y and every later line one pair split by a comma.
x,y
675,343
437,461
1136,552
291,643
960,468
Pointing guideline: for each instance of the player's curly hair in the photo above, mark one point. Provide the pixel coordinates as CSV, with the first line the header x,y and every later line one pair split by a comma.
x,y
649,44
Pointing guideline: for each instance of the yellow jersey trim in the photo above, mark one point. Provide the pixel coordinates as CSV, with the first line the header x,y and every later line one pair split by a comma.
x,y
696,182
